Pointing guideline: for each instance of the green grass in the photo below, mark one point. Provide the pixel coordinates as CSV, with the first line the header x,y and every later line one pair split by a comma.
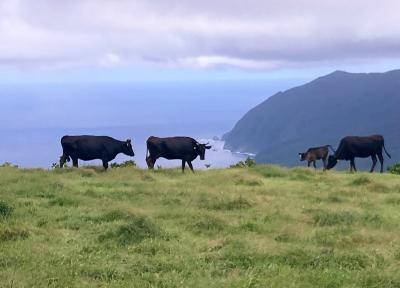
x,y
261,226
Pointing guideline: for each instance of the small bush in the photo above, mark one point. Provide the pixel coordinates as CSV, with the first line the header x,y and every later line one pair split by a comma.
x,y
124,164
395,169
249,162
8,164
5,209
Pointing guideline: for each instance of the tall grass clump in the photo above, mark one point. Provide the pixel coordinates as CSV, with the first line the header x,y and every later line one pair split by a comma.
x,y
361,180
5,209
12,233
330,218
137,229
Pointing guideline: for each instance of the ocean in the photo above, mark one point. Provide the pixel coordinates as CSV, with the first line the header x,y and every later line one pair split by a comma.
x,y
34,117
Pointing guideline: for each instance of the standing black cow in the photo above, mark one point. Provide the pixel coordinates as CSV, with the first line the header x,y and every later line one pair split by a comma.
x,y
184,148
316,153
351,147
87,147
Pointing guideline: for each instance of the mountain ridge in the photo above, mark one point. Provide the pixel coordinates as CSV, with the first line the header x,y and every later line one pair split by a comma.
x,y
320,112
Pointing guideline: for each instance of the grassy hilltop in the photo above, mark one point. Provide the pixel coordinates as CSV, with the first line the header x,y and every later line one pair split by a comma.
x,y
245,227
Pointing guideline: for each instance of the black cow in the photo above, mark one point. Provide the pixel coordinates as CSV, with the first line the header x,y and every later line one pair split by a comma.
x,y
316,153
88,147
184,148
351,147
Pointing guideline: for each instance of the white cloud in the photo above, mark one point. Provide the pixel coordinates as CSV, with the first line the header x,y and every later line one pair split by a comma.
x,y
203,34
110,60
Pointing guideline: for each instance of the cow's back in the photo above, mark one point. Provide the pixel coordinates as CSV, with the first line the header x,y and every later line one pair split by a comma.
x,y
359,146
86,147
178,147
317,153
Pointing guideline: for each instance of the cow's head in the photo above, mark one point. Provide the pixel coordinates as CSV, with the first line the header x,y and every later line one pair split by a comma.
x,y
302,156
201,149
332,161
127,148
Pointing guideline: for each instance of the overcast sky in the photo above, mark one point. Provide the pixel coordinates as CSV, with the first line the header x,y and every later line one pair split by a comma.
x,y
117,39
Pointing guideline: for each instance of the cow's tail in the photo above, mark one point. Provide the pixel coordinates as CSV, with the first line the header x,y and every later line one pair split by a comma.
x,y
333,150
147,149
384,148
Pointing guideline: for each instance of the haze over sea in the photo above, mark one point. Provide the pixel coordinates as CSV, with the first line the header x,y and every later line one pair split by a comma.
x,y
33,117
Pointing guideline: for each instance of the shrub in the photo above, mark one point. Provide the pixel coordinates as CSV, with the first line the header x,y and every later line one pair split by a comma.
x,y
8,164
394,169
130,163
5,209
249,162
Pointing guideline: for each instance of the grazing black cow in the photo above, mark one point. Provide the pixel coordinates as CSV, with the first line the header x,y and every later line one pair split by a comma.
x,y
316,153
184,148
351,147
87,147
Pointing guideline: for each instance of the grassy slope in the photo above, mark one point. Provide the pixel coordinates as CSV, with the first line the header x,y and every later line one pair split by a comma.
x,y
253,227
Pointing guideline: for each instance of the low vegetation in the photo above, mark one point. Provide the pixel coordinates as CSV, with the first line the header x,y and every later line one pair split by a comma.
x,y
249,226
395,169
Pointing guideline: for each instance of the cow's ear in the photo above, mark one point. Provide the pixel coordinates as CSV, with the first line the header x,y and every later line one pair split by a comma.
x,y
208,147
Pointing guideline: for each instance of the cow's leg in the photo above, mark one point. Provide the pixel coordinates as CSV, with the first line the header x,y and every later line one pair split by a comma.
x,y
63,159
308,163
151,161
74,161
148,161
324,163
373,157
190,165
315,166
353,165
381,161
105,164
183,165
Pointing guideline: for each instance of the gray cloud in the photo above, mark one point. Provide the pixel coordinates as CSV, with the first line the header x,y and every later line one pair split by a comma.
x,y
201,34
